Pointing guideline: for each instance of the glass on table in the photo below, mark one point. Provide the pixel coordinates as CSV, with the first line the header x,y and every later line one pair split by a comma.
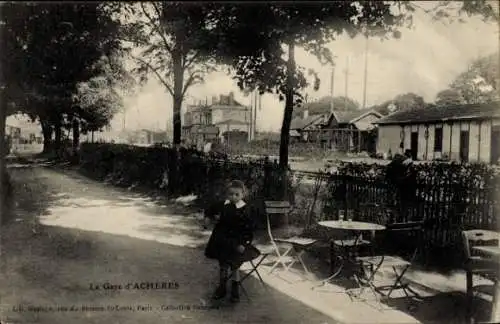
x,y
341,215
350,215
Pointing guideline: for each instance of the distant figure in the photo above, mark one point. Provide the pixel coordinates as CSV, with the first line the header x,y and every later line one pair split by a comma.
x,y
408,158
402,176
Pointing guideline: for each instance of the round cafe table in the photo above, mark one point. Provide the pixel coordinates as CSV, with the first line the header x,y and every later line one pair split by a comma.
x,y
355,227
352,225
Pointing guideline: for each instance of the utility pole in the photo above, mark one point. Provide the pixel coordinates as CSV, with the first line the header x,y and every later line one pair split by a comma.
x,y
332,83
366,71
346,72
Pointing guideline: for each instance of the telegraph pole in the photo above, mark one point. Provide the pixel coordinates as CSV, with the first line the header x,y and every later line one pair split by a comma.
x,y
332,84
346,72
366,71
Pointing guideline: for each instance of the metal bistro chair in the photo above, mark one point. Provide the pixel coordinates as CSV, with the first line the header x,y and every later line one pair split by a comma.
x,y
294,247
253,268
401,244
478,265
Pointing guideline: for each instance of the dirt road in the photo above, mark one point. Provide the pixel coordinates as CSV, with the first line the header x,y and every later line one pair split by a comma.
x,y
85,252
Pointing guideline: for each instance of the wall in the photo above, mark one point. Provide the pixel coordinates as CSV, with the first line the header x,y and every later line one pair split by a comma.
x,y
236,114
479,140
233,127
217,116
388,138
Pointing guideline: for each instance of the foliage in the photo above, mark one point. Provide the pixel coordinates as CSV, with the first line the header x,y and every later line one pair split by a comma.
x,y
165,37
55,47
97,102
181,172
449,97
473,187
480,82
323,105
254,47
407,101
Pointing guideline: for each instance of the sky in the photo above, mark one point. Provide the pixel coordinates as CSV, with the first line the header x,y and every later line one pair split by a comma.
x,y
423,61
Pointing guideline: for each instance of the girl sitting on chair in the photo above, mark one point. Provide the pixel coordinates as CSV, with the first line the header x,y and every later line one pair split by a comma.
x,y
230,242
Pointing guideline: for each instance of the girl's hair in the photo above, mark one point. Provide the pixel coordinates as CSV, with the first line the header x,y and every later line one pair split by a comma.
x,y
237,184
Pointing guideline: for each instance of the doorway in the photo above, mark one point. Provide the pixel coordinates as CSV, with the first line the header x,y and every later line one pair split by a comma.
x,y
414,145
464,146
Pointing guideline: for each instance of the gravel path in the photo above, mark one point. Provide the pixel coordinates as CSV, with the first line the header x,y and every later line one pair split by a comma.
x,y
73,235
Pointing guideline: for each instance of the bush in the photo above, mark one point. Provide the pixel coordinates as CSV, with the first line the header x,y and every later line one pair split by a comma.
x,y
181,172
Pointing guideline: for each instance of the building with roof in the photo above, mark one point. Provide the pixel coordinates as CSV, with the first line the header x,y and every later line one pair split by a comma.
x,y
466,133
341,130
22,130
304,128
209,122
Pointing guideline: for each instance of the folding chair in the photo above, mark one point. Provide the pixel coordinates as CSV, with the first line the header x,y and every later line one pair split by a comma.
x,y
294,246
254,265
478,265
401,244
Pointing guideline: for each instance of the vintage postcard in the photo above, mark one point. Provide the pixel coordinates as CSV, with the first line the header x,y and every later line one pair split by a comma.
x,y
320,162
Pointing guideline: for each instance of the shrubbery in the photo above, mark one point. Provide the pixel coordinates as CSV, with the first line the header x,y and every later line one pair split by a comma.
x,y
441,187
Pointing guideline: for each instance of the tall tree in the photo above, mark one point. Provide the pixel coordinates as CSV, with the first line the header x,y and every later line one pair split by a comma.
x,y
262,51
449,97
479,83
406,101
166,37
255,47
409,101
61,46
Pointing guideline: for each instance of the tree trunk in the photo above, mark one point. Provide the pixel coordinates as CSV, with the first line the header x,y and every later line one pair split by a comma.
x,y
76,136
287,118
178,85
58,137
47,131
3,175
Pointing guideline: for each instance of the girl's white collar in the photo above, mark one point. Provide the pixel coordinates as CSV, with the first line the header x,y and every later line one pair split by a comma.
x,y
239,204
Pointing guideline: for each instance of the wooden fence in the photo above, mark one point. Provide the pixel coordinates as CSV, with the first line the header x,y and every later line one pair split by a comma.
x,y
446,209
448,198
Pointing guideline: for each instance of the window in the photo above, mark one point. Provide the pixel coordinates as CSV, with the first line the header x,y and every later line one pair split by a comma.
x,y
438,139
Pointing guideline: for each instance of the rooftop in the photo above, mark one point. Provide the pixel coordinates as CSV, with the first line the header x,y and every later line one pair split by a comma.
x,y
345,117
300,123
448,113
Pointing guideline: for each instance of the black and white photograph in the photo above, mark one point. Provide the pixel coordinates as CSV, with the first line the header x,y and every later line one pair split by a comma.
x,y
295,162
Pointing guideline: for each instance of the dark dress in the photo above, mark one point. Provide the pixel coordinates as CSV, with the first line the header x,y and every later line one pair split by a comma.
x,y
235,227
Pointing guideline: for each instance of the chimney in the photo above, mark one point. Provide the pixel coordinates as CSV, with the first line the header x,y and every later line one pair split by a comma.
x,y
305,114
221,100
214,100
231,98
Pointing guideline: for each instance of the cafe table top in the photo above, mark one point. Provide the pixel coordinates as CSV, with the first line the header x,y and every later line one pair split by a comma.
x,y
491,250
352,225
